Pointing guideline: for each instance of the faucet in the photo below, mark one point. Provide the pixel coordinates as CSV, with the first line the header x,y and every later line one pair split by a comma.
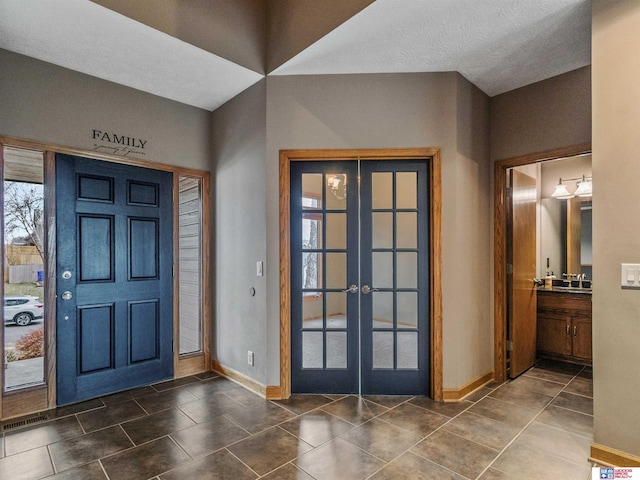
x,y
581,278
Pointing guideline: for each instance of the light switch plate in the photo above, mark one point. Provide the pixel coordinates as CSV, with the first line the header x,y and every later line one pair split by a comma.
x,y
630,275
259,270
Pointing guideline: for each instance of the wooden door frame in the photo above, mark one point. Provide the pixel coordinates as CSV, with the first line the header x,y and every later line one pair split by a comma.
x,y
432,155
43,397
500,244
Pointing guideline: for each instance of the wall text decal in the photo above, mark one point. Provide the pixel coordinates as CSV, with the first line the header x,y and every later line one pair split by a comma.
x,y
118,144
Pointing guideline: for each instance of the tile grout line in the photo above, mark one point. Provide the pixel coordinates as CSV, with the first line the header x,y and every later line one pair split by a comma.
x,y
527,426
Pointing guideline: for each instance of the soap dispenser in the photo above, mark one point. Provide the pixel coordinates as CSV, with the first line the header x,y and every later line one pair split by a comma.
x,y
548,280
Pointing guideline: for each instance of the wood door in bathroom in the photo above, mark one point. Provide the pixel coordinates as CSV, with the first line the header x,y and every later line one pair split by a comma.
x,y
522,306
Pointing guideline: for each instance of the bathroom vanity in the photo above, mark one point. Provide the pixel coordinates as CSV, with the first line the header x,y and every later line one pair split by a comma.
x,y
564,324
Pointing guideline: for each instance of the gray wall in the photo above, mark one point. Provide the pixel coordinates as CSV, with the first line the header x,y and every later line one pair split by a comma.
x,y
392,111
616,229
545,115
47,103
239,139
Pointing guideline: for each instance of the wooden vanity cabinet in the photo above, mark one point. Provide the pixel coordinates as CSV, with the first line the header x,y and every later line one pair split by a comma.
x,y
564,326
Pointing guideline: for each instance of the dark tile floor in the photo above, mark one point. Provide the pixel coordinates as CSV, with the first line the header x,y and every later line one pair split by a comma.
x,y
206,427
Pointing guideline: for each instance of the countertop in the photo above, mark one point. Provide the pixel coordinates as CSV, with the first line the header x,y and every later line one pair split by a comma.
x,y
572,290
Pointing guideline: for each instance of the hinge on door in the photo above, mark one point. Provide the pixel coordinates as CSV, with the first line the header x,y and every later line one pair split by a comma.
x,y
509,346
509,269
509,192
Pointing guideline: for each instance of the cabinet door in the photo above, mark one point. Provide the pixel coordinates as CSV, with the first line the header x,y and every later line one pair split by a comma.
x,y
553,334
581,331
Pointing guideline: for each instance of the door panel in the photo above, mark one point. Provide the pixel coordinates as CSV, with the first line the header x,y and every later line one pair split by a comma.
x,y
324,320
115,303
395,265
523,258
346,339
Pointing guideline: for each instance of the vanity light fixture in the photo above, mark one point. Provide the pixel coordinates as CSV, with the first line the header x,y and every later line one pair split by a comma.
x,y
585,188
561,192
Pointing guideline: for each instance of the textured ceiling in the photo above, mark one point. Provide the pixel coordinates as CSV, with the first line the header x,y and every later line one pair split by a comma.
x,y
86,37
499,45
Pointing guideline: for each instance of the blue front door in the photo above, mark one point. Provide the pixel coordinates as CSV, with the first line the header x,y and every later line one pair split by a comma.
x,y
360,277
114,326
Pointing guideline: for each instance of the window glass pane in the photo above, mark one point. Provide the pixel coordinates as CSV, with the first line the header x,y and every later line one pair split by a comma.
x,y
382,349
407,349
312,310
336,349
382,269
337,230
311,270
24,260
407,274
406,190
382,226
190,263
407,309
311,349
383,310
382,190
336,270
407,230
311,191
336,192
312,231
336,310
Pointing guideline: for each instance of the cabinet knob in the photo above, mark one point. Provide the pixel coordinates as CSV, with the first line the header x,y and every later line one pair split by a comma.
x,y
575,331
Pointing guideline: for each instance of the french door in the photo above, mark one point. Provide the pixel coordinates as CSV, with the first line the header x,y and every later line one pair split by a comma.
x,y
114,325
360,277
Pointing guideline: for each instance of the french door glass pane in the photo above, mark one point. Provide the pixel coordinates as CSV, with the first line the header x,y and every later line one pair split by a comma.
x,y
312,311
312,349
336,230
382,190
407,230
336,310
382,269
407,350
382,226
407,269
312,230
311,270
336,191
406,190
383,349
383,310
336,270
336,349
311,191
24,260
407,309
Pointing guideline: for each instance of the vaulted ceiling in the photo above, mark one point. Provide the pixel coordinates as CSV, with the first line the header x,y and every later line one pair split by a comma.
x,y
498,45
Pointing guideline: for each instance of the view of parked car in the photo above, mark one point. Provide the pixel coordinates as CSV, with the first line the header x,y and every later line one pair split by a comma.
x,y
22,309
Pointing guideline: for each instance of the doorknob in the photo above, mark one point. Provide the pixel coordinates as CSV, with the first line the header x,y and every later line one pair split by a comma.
x,y
67,295
366,289
352,289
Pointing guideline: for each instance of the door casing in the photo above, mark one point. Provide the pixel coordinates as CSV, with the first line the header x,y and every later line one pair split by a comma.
x,y
432,155
500,239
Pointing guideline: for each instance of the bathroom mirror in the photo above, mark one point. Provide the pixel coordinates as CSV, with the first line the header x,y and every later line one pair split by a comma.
x,y
564,225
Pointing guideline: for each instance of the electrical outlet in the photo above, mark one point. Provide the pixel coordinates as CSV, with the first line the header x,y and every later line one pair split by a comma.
x,y
250,358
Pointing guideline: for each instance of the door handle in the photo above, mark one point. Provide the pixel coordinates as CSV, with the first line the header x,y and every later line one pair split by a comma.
x,y
568,333
366,289
352,289
575,331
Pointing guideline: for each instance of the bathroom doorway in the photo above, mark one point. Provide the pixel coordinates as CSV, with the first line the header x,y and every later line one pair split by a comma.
x,y
555,243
